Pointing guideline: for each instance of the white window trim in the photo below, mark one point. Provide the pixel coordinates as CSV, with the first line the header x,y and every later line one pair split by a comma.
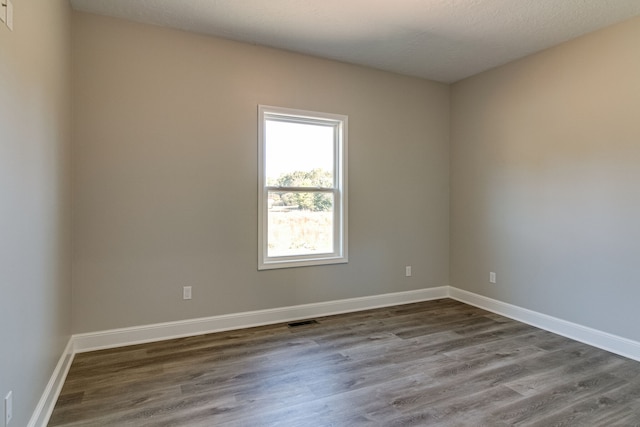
x,y
340,201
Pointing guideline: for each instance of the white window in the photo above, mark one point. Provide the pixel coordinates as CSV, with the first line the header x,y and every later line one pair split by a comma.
x,y
302,188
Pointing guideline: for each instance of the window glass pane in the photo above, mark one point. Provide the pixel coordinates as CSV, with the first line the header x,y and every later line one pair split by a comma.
x,y
300,223
299,154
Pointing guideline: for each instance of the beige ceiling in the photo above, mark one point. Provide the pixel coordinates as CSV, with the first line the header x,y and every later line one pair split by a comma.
x,y
442,40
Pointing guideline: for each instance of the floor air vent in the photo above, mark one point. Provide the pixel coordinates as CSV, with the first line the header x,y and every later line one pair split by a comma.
x,y
302,323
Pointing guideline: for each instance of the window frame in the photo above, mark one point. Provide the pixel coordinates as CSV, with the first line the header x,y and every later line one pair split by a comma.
x,y
340,124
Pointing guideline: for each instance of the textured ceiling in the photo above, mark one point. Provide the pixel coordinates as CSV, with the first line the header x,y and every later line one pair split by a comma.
x,y
442,40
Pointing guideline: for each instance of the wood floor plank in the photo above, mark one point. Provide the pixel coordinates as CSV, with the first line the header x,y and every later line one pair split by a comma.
x,y
542,408
440,363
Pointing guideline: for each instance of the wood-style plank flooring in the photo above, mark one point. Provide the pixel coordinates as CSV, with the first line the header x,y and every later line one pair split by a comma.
x,y
436,363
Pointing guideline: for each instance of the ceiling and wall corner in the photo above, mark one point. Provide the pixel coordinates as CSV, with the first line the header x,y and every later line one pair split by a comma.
x,y
441,40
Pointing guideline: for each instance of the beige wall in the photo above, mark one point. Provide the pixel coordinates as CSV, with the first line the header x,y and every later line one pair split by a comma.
x,y
544,171
165,175
35,264
545,181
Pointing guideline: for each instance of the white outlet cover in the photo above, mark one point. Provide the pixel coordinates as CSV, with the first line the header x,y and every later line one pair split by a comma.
x,y
8,408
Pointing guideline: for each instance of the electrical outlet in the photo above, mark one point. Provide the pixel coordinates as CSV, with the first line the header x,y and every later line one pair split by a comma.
x,y
407,271
8,408
186,292
492,277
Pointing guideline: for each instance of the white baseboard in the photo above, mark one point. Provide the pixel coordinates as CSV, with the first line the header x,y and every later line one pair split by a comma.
x,y
162,331
603,340
42,413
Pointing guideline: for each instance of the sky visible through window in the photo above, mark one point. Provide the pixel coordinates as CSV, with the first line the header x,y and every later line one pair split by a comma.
x,y
292,147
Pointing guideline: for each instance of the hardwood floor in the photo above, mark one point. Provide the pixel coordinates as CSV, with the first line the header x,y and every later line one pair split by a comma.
x,y
437,363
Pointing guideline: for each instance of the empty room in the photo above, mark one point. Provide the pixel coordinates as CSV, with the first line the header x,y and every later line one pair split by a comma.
x,y
296,213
